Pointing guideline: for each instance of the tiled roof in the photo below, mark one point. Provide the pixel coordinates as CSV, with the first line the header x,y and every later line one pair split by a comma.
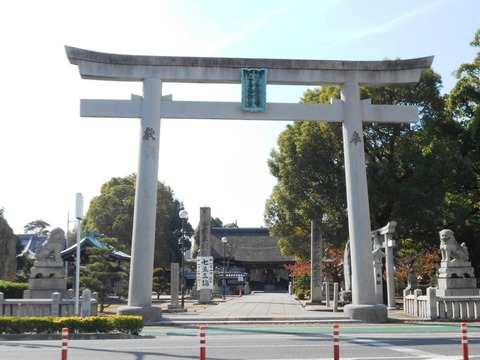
x,y
248,245
91,241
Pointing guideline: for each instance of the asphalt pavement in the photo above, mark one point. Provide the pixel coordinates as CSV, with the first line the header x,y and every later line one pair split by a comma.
x,y
264,307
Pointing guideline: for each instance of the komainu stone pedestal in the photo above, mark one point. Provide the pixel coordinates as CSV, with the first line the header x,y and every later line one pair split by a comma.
x,y
456,278
46,278
48,273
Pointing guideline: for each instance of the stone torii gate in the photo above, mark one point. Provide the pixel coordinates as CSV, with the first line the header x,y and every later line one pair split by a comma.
x,y
152,71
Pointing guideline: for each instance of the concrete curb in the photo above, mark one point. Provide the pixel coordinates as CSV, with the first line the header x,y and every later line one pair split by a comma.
x,y
291,320
88,336
248,321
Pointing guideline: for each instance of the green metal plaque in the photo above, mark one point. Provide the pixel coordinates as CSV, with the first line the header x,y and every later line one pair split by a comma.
x,y
254,89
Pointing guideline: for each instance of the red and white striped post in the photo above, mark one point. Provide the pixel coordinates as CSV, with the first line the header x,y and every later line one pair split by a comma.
x,y
64,343
336,341
203,355
463,327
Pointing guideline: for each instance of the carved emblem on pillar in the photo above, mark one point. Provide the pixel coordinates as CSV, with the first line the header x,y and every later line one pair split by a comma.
x,y
148,134
356,138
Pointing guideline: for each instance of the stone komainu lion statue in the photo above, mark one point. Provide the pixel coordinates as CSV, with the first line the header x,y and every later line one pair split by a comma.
x,y
450,249
53,245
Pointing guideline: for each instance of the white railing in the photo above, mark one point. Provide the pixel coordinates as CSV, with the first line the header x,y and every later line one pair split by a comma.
x,y
416,304
458,307
45,307
451,308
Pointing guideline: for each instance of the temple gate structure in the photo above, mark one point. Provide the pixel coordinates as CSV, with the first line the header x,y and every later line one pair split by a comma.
x,y
254,74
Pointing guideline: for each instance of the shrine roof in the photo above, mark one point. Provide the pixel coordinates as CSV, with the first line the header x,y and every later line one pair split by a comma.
x,y
248,245
90,241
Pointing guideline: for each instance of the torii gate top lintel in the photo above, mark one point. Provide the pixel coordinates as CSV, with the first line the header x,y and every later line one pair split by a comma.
x,y
117,67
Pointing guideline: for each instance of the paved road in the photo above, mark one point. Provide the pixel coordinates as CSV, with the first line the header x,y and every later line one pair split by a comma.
x,y
283,329
263,307
312,342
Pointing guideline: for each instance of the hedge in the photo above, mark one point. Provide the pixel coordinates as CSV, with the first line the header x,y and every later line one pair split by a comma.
x,y
125,324
12,290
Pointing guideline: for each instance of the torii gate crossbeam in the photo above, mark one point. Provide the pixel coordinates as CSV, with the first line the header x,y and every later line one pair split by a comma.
x,y
154,70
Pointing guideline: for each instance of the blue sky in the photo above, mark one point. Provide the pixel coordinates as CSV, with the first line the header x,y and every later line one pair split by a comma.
x,y
49,153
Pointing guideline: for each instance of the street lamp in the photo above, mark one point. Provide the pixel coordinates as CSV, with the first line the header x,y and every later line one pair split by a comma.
x,y
183,215
79,216
224,241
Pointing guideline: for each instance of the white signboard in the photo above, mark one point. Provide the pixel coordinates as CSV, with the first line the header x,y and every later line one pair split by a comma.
x,y
205,272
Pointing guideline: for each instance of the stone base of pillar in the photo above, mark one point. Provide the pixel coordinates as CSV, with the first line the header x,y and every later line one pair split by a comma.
x,y
149,313
315,303
377,313
316,295
205,296
174,308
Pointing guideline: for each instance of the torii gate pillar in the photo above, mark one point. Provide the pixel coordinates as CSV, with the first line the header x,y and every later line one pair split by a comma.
x,y
144,216
363,288
153,70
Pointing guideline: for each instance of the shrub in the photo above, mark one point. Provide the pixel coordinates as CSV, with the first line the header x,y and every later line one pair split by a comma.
x,y
52,325
307,293
12,290
300,294
128,324
96,324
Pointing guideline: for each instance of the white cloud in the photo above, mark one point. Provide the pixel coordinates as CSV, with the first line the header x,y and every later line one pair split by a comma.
x,y
361,31
246,31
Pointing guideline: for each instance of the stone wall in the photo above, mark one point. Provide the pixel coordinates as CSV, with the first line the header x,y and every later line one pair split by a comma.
x,y
8,251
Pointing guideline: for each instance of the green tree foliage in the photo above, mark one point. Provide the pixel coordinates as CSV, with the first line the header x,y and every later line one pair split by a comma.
x,y
175,233
464,103
233,225
38,227
111,214
310,185
71,236
216,223
102,270
24,267
464,98
416,173
160,283
414,170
